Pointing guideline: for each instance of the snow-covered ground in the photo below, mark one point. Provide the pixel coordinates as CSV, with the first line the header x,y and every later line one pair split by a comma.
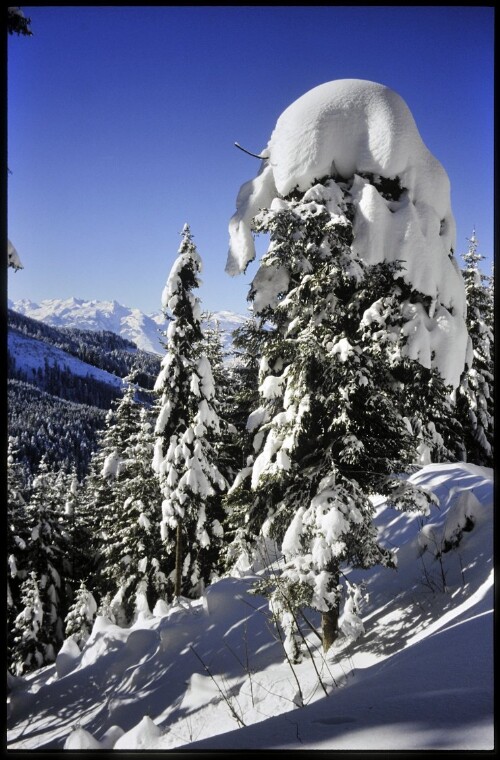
x,y
211,673
31,354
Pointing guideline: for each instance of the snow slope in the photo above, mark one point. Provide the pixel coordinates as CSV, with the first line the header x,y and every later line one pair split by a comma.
x,y
133,324
210,674
31,354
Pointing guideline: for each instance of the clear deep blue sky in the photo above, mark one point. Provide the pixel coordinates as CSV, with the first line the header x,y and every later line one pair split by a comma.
x,y
122,119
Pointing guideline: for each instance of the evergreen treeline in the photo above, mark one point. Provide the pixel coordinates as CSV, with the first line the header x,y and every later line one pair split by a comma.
x,y
45,425
224,464
61,382
56,414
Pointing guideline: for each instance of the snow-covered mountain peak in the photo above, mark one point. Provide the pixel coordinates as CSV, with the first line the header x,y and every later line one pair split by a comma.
x,y
131,323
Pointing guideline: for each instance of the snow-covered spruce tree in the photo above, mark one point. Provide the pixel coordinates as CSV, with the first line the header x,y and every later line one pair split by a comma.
x,y
128,499
474,398
328,432
136,559
29,647
331,426
187,429
80,532
17,537
80,617
227,445
103,496
247,344
39,623
247,349
426,402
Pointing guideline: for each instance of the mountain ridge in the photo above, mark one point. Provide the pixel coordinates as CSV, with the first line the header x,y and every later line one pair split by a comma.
x,y
128,322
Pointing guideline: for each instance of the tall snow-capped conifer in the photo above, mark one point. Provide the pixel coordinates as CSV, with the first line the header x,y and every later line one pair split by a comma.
x,y
475,393
247,346
227,446
247,352
328,431
80,529
186,428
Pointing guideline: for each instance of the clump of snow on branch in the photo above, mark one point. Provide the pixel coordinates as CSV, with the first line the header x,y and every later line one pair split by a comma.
x,y
362,133
13,259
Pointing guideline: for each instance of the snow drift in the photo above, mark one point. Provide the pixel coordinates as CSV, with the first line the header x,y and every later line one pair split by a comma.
x,y
355,131
419,678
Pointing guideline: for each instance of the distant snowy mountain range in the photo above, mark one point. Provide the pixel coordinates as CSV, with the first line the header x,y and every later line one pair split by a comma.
x,y
143,329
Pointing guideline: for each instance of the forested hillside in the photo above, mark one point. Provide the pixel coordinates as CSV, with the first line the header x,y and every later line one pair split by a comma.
x,y
61,383
102,349
44,424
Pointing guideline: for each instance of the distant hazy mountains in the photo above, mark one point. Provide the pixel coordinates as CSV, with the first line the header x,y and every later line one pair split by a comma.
x,y
143,329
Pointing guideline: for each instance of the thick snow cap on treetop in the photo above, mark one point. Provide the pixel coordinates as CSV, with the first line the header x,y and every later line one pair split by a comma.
x,y
346,129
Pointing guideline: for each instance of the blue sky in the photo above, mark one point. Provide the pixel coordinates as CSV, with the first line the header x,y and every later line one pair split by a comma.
x,y
122,122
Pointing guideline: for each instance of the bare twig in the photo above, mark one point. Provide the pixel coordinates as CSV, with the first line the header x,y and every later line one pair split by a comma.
x,y
225,697
263,158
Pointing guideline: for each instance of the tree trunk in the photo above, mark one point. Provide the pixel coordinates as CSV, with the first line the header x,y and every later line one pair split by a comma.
x,y
329,626
330,618
178,560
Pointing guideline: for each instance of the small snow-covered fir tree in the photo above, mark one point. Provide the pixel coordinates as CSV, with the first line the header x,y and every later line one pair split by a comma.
x,y
17,536
47,555
136,560
187,428
80,530
474,398
247,345
247,348
29,647
124,491
329,432
81,614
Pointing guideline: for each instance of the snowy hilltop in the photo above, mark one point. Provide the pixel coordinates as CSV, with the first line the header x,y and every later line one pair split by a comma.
x,y
133,324
364,134
210,674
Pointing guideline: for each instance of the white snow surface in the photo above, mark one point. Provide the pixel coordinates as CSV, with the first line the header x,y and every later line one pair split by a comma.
x,y
345,129
31,354
188,676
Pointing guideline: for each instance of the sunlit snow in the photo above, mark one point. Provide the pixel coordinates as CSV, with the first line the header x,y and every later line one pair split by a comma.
x,y
210,674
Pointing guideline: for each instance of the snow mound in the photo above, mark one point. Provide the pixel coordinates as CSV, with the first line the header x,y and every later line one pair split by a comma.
x,y
143,736
67,657
344,127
